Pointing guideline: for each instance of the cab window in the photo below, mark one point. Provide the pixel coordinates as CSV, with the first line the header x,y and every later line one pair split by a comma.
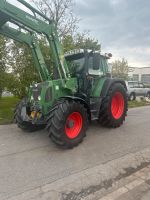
x,y
93,71
136,85
130,84
141,85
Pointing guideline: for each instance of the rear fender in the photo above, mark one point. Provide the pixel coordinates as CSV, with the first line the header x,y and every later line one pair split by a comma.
x,y
108,83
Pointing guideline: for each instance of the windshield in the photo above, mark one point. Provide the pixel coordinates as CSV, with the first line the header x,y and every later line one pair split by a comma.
x,y
76,64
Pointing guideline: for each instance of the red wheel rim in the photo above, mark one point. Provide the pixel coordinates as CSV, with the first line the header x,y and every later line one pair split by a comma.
x,y
73,125
117,105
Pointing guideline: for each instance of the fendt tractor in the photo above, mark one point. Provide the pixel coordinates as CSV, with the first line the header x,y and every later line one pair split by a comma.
x,y
75,88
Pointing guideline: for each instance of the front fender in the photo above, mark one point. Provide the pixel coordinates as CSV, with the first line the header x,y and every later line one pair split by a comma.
x,y
79,99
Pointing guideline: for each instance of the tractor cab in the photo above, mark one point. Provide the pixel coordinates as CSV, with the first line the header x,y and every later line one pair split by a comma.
x,y
87,62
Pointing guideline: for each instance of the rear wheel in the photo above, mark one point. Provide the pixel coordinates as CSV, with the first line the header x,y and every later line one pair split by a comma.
x,y
24,125
67,123
114,107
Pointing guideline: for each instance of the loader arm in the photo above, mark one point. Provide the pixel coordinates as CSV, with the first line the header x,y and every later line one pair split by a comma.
x,y
29,39
32,23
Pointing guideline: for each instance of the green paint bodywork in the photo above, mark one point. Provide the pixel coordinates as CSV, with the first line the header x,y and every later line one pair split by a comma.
x,y
33,26
98,86
57,91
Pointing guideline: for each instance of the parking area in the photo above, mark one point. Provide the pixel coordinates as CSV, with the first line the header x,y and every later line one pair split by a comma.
x,y
29,160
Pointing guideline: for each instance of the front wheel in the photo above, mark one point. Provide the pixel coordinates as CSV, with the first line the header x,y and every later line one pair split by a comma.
x,y
132,97
24,125
114,107
148,95
67,123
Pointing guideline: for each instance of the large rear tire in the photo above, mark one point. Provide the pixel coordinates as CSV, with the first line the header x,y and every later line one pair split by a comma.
x,y
114,107
67,123
24,125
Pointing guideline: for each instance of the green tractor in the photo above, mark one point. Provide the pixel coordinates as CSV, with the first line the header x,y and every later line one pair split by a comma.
x,y
76,89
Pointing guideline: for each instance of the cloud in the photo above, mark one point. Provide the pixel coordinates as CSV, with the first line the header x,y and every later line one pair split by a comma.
x,y
123,26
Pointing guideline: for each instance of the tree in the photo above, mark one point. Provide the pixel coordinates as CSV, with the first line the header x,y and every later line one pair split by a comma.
x,y
23,70
61,12
80,41
3,64
120,69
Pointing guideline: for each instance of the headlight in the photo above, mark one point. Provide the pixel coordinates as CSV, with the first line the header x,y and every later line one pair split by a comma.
x,y
39,98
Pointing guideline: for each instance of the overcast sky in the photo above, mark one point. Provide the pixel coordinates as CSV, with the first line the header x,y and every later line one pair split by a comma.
x,y
121,26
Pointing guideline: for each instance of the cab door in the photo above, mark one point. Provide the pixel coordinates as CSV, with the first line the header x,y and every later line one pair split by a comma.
x,y
142,89
136,88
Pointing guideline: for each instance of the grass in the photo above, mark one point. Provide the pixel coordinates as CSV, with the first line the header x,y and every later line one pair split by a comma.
x,y
133,104
7,105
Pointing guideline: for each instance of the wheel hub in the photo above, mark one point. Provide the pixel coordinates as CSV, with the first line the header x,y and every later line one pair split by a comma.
x,y
117,105
73,125
70,124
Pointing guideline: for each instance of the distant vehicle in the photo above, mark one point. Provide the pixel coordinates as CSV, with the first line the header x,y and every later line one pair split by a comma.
x,y
135,89
7,94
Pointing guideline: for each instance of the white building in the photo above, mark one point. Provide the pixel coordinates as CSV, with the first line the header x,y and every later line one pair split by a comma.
x,y
140,74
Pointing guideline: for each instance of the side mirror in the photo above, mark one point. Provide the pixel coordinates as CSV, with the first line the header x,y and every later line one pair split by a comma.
x,y
96,61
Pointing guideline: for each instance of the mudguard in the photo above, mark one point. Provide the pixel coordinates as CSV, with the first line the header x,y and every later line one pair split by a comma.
x,y
108,83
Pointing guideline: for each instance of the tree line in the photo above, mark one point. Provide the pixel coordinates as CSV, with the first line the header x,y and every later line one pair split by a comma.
x,y
17,70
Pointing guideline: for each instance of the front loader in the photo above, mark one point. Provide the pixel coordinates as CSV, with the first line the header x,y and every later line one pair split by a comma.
x,y
75,88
